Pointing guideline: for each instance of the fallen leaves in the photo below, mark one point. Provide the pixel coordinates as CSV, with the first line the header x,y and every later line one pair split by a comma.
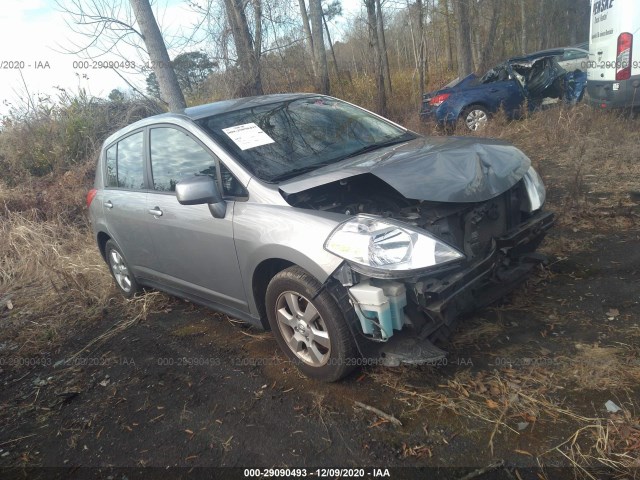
x,y
418,451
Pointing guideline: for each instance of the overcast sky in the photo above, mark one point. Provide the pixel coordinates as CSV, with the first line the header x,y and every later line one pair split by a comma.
x,y
34,32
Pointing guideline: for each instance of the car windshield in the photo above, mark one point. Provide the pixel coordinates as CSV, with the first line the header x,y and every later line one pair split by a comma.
x,y
284,139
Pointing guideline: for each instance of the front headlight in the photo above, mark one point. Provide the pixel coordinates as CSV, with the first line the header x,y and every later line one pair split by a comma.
x,y
386,245
535,190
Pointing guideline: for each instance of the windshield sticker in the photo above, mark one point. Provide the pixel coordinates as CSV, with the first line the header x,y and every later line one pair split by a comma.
x,y
248,136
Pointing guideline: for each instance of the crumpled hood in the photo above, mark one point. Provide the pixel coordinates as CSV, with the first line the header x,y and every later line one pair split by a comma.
x,y
437,169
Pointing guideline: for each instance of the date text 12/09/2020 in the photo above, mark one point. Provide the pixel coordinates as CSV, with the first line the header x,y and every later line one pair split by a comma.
x,y
317,472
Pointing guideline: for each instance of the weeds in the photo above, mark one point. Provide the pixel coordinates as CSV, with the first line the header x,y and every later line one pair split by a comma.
x,y
57,281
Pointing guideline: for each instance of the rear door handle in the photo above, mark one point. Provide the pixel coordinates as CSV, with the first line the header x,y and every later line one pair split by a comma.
x,y
108,204
155,211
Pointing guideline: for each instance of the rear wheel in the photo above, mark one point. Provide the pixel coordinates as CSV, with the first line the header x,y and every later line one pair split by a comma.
x,y
474,117
309,326
125,281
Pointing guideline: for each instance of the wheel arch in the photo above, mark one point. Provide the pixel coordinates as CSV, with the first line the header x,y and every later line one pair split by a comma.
x,y
262,275
102,239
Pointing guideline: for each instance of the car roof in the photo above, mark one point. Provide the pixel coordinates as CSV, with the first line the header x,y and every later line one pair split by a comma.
x,y
551,52
215,108
542,53
207,110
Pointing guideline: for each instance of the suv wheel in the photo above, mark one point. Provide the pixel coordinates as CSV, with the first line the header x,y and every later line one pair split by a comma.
x,y
125,280
309,326
475,117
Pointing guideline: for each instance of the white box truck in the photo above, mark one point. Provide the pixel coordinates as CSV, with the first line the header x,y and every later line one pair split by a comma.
x,y
613,73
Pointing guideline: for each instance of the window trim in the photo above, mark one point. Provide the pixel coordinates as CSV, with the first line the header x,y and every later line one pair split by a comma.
x,y
145,178
218,162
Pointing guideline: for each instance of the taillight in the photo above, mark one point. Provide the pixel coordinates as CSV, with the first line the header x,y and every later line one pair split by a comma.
x,y
90,196
624,56
439,99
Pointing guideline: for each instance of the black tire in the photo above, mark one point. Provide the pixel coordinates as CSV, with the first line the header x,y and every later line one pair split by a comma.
x,y
480,114
125,281
323,348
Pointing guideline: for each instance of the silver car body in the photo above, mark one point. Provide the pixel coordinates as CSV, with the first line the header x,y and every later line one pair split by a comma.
x,y
226,263
252,232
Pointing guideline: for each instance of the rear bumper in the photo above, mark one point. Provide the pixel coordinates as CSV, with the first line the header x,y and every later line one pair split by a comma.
x,y
607,95
442,115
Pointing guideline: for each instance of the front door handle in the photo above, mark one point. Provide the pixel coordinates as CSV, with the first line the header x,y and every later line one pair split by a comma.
x,y
155,211
108,204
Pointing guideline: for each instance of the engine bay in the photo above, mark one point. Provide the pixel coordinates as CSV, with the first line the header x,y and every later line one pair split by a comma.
x,y
467,226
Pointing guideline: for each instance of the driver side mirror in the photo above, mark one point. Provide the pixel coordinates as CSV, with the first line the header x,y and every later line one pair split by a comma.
x,y
198,190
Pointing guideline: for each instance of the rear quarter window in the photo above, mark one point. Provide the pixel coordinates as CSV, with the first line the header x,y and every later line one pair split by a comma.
x,y
131,162
125,163
112,169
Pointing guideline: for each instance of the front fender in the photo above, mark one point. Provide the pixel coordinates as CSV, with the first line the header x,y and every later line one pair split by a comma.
x,y
264,232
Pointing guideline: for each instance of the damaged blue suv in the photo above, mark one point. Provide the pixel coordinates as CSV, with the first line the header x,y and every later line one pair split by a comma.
x,y
345,234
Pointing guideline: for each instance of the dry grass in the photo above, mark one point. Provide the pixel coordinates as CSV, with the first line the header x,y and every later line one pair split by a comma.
x,y
511,400
612,443
601,368
52,272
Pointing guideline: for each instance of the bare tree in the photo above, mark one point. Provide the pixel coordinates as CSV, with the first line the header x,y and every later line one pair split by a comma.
x,y
449,47
383,45
247,51
319,50
463,37
160,62
523,26
109,25
421,62
381,98
307,32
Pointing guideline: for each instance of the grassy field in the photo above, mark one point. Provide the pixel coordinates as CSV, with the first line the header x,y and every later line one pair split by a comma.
x,y
543,363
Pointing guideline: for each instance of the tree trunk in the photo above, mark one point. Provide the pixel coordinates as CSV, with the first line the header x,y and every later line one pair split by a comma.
x,y
523,23
449,46
377,56
307,32
491,36
333,54
251,81
320,53
541,25
257,19
383,45
421,62
463,38
166,76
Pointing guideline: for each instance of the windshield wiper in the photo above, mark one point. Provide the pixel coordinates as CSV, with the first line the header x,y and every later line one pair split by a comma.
x,y
375,146
298,171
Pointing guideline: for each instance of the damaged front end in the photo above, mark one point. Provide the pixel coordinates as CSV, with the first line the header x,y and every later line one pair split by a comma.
x,y
413,267
545,82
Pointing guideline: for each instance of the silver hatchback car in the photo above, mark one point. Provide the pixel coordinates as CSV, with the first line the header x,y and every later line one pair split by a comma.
x,y
352,238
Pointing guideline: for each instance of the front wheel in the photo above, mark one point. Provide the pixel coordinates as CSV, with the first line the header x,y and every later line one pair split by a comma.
x,y
310,327
474,117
